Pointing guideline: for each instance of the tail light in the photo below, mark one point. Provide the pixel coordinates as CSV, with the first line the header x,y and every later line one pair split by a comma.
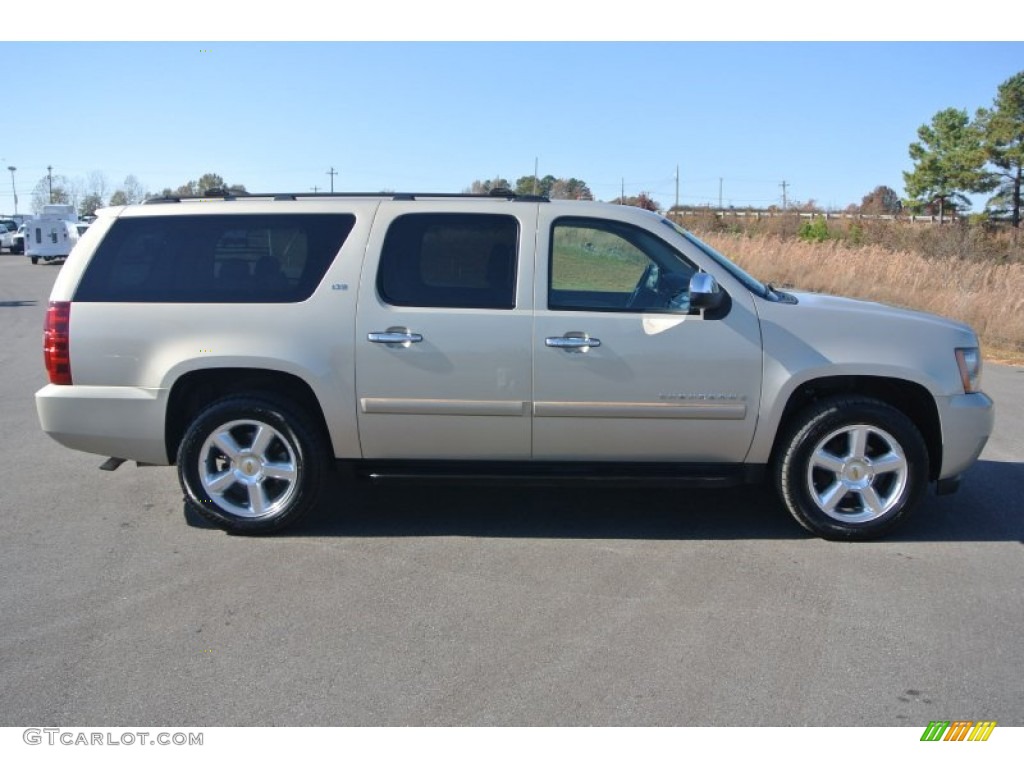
x,y
56,342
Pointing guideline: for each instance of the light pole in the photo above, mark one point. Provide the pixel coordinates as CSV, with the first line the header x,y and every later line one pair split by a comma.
x,y
12,169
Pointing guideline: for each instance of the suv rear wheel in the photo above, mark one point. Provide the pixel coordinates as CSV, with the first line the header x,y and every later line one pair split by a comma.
x,y
852,468
251,465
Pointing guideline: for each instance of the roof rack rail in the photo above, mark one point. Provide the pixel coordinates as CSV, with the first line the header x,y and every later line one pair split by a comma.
x,y
224,194
406,196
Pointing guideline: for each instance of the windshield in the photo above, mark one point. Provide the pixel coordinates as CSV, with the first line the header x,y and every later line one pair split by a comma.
x,y
752,283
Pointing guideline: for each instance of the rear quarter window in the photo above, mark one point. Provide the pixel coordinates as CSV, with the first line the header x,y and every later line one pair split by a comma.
x,y
233,258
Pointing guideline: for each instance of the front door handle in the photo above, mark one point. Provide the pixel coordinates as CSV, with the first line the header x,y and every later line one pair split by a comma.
x,y
392,336
574,343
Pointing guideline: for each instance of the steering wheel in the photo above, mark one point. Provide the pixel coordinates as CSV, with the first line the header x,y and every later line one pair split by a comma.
x,y
645,279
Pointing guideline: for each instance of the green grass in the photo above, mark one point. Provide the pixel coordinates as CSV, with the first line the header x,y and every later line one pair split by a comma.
x,y
587,260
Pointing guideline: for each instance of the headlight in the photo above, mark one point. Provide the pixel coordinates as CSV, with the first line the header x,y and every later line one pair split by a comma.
x,y
968,360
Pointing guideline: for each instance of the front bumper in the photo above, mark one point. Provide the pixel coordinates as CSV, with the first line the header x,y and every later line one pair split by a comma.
x,y
967,422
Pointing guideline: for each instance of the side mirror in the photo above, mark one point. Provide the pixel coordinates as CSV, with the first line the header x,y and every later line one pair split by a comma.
x,y
704,292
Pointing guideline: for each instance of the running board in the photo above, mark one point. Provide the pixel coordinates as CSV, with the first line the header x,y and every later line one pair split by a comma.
x,y
558,473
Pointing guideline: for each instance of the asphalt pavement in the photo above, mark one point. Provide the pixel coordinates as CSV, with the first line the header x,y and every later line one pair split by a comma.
x,y
490,606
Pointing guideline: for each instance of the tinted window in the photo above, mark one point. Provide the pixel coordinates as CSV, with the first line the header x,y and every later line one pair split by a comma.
x,y
609,266
235,258
450,260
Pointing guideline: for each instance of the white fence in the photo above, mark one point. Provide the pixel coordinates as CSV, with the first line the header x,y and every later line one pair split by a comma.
x,y
756,215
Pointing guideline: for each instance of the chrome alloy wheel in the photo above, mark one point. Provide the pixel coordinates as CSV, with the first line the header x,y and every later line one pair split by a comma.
x,y
248,468
857,473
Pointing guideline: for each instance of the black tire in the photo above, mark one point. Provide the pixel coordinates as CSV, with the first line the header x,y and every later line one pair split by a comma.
x,y
264,476
35,259
851,468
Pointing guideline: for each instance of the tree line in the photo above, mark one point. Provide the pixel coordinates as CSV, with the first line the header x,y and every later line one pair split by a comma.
x,y
556,189
954,155
93,192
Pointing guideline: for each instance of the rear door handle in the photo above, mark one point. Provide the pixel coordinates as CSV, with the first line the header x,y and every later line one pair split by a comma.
x,y
405,338
580,343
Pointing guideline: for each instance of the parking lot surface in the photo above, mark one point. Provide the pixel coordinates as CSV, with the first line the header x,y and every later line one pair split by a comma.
x,y
490,605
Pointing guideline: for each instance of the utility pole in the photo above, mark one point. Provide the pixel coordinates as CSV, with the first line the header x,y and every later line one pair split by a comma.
x,y
720,193
315,189
536,167
784,185
622,197
14,190
49,176
677,186
332,173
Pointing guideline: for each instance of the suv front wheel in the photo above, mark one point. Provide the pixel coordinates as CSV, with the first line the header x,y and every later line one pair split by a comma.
x,y
250,465
851,468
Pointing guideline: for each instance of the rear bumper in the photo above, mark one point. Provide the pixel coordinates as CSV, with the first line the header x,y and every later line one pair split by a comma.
x,y
126,422
966,425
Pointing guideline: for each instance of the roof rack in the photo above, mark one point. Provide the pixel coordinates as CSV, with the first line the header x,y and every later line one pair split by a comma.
x,y
223,194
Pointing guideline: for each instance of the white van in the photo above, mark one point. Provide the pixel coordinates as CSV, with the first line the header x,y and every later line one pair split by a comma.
x,y
52,234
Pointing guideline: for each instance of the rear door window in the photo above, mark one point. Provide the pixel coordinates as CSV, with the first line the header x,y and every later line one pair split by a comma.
x,y
234,258
450,260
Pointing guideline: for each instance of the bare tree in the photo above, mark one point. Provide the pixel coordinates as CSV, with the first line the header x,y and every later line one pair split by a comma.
x,y
55,189
96,184
134,192
479,187
642,200
90,204
881,200
206,183
570,189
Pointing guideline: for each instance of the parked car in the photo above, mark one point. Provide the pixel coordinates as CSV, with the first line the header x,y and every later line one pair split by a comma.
x,y
14,241
7,229
255,342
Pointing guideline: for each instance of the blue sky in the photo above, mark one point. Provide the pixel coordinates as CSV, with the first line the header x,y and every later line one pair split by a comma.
x,y
833,120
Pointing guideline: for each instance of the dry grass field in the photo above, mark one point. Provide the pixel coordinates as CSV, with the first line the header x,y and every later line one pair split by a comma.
x,y
988,296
